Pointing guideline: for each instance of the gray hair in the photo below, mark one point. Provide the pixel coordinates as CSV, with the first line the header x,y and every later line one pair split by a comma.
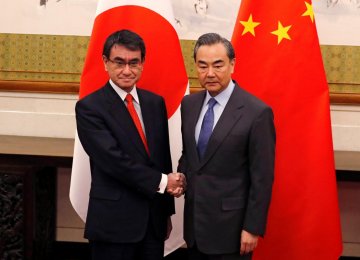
x,y
214,38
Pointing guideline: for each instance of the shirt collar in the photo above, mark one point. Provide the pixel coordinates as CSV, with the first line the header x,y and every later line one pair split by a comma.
x,y
223,97
123,93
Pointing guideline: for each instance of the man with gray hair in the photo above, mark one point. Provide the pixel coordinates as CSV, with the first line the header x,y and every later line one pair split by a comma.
x,y
228,158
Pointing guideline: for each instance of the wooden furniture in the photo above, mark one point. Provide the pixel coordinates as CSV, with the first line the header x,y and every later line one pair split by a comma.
x,y
28,194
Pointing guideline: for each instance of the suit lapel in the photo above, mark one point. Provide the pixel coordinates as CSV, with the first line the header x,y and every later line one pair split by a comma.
x,y
121,115
230,116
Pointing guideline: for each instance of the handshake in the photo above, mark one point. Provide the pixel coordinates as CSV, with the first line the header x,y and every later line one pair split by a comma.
x,y
176,184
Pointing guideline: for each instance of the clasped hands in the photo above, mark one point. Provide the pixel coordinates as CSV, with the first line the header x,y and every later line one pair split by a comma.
x,y
176,184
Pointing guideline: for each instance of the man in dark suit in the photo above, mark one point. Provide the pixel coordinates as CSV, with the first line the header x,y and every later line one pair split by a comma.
x,y
228,158
124,130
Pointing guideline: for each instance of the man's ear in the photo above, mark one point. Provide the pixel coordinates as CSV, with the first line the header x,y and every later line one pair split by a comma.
x,y
232,63
105,60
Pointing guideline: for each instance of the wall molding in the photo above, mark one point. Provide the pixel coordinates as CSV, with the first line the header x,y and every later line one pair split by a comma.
x,y
40,86
73,88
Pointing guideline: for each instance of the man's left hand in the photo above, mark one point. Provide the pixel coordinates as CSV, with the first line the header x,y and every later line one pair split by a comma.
x,y
248,242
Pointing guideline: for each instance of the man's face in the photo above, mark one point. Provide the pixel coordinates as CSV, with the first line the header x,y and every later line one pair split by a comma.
x,y
124,66
214,68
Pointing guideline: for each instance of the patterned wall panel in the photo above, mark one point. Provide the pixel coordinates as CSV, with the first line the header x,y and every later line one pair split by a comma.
x,y
42,57
342,66
50,60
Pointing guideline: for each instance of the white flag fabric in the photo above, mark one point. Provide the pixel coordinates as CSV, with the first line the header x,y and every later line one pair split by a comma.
x,y
164,73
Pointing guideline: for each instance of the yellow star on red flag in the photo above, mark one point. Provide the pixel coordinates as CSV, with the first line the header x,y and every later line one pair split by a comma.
x,y
282,32
249,26
309,11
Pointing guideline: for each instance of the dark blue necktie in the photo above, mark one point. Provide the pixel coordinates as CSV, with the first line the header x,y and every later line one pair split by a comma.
x,y
206,128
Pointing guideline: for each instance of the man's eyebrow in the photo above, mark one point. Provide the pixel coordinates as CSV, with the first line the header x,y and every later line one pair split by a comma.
x,y
118,58
202,62
122,59
215,62
218,61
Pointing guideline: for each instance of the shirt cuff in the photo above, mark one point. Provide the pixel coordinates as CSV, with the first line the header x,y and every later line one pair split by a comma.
x,y
163,183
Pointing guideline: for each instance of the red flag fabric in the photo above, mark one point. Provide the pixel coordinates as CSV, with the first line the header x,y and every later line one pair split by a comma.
x,y
163,56
164,73
278,59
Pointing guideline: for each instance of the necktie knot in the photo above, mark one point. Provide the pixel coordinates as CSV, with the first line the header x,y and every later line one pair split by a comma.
x,y
129,98
211,103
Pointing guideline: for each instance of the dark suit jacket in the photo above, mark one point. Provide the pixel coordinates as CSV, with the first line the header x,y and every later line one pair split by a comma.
x,y
230,189
123,195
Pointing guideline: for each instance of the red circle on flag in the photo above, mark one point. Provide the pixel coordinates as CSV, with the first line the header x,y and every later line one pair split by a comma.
x,y
164,71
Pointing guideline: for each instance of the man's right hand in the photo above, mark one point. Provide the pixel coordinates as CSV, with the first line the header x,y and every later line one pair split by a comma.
x,y
176,184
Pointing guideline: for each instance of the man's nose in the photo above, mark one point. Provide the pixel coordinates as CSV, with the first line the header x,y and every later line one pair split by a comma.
x,y
126,69
211,72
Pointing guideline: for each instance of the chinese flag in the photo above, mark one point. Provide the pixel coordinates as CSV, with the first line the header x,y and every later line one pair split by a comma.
x,y
278,59
164,73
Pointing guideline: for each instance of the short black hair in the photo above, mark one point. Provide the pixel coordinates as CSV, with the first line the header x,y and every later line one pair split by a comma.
x,y
126,38
214,38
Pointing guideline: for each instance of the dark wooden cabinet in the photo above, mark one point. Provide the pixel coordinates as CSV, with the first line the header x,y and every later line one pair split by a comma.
x,y
28,194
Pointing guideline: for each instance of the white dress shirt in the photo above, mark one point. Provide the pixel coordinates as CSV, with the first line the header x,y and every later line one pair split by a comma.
x,y
133,92
222,98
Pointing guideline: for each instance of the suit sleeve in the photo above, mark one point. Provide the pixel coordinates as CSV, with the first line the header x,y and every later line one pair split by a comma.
x,y
261,157
182,165
105,153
